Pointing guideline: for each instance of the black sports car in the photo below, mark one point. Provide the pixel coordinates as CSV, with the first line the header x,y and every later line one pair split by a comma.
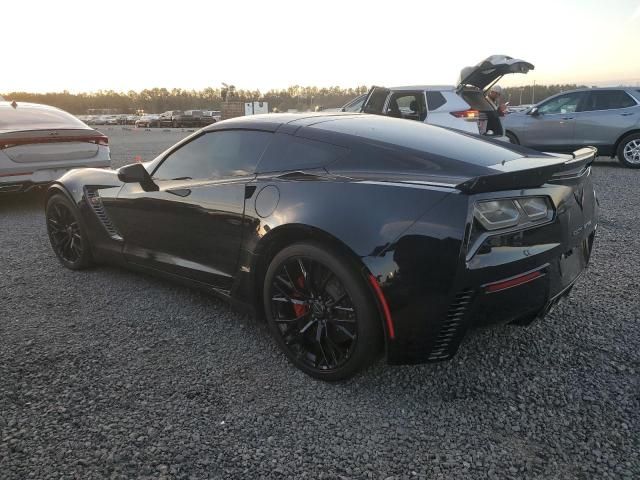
x,y
352,234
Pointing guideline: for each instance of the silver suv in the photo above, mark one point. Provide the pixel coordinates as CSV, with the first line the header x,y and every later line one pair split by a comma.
x,y
606,118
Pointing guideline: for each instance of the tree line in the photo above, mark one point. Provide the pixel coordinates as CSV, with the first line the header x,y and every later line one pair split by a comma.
x,y
157,100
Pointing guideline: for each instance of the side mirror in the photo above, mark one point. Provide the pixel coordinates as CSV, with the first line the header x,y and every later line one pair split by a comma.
x,y
136,173
534,112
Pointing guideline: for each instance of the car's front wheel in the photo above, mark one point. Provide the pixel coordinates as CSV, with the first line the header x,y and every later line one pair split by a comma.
x,y
321,312
628,152
66,233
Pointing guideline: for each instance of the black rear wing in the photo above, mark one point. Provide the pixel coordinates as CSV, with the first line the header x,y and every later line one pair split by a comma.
x,y
524,173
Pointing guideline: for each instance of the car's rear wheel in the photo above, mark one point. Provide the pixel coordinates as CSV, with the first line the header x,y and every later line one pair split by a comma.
x,y
321,312
628,152
66,233
512,138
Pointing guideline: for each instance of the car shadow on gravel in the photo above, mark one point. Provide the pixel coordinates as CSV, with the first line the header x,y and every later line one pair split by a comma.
x,y
14,202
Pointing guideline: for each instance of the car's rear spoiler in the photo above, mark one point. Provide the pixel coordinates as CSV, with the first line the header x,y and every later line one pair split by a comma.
x,y
530,172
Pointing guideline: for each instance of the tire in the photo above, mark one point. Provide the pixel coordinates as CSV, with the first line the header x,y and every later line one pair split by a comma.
x,y
324,318
628,151
67,233
512,138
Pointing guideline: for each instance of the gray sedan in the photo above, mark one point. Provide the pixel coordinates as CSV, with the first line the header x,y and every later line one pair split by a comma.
x,y
607,118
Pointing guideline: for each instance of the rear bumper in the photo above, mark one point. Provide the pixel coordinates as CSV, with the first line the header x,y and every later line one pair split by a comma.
x,y
24,182
475,304
541,289
438,289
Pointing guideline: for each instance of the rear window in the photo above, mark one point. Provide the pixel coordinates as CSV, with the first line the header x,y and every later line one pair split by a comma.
x,y
287,152
36,118
607,100
436,141
435,100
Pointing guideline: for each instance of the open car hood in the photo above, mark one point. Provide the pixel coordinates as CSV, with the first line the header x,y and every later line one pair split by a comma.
x,y
490,70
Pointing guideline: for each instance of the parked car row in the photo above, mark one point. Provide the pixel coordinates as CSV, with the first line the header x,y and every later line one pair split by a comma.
x,y
171,118
121,119
179,119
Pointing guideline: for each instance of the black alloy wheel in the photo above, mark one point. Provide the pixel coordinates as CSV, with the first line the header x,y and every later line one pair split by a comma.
x,y
321,312
66,234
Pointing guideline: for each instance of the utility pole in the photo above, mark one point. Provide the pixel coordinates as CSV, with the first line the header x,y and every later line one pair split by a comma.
x,y
533,92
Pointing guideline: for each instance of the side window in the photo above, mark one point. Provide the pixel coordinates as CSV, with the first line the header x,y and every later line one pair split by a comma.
x,y
435,100
215,155
408,105
287,152
607,100
375,103
563,104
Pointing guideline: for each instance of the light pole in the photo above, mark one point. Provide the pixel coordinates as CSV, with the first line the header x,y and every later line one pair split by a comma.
x,y
533,92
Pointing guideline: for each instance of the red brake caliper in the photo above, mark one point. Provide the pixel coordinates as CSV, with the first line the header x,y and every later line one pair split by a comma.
x,y
297,308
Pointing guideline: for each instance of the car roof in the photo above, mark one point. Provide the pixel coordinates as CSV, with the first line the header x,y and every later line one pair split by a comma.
x,y
351,129
276,121
423,87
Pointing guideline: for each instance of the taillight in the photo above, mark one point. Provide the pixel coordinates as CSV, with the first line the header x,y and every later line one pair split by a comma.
x,y
99,139
468,115
498,214
102,140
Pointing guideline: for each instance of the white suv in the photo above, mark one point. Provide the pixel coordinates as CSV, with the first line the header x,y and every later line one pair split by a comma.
x,y
462,107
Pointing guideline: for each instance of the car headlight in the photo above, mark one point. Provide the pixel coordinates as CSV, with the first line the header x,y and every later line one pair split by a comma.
x,y
499,214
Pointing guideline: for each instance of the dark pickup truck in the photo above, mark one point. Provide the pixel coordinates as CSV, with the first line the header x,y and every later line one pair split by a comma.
x,y
178,119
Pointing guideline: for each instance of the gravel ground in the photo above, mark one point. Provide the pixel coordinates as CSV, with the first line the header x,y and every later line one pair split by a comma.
x,y
110,374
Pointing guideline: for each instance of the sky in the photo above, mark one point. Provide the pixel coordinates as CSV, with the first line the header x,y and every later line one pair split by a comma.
x,y
83,46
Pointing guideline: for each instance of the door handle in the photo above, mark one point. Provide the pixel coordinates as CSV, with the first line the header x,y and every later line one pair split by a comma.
x,y
567,118
626,114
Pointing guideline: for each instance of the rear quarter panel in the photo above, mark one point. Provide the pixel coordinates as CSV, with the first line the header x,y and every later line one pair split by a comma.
x,y
408,238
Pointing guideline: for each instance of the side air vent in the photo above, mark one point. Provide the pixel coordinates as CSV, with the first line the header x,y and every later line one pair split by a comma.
x,y
449,336
94,200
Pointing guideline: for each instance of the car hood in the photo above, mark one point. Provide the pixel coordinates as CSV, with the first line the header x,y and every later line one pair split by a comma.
x,y
490,69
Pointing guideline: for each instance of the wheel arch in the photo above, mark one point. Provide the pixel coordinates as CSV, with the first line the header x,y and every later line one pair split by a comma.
x,y
58,188
508,132
283,236
622,137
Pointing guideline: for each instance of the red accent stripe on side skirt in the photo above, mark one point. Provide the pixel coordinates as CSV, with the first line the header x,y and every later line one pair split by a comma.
x,y
512,282
385,306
